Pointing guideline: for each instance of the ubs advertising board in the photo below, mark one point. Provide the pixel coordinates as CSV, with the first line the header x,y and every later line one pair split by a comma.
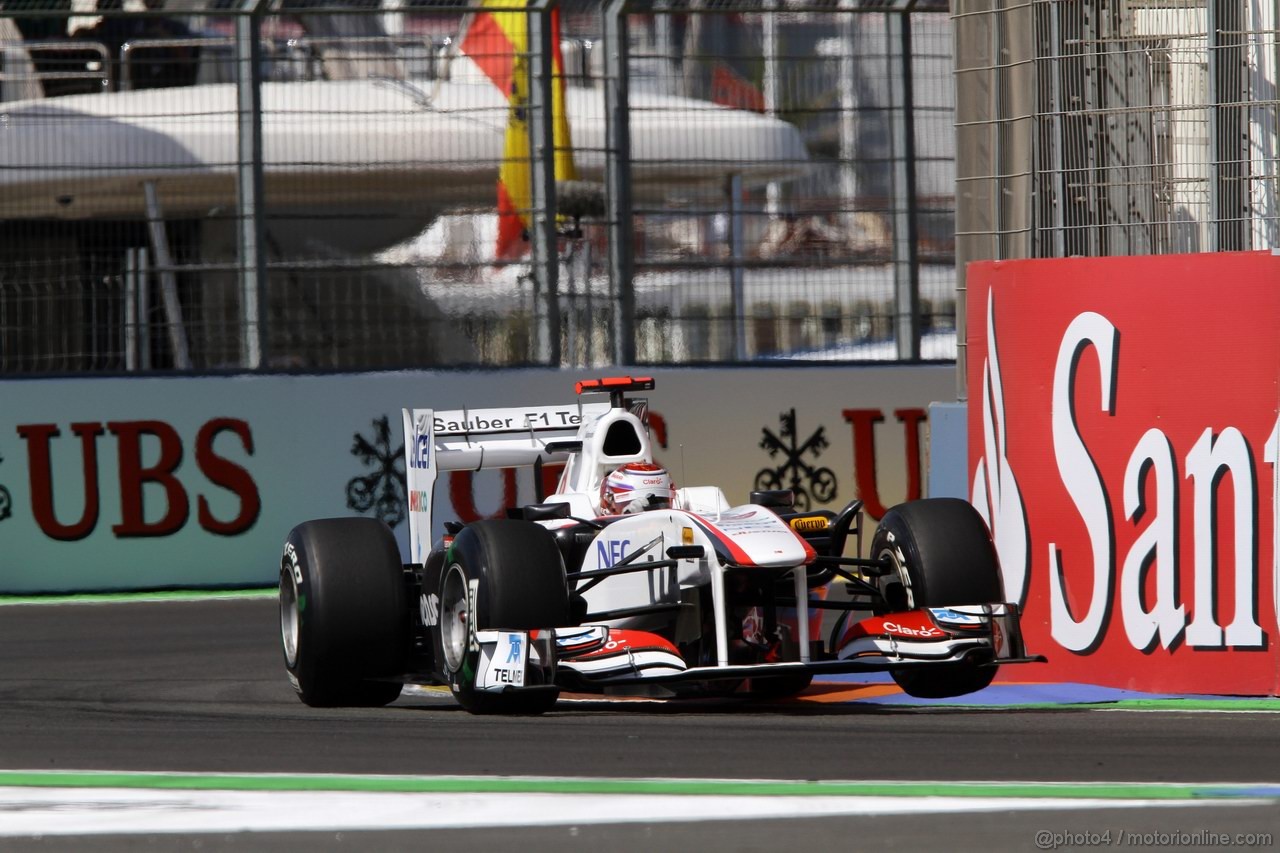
x,y
116,484
1123,447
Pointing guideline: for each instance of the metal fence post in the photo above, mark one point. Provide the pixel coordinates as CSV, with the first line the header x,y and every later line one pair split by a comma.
x,y
546,261
618,179
168,280
737,278
131,287
906,269
769,35
1228,138
250,207
1059,139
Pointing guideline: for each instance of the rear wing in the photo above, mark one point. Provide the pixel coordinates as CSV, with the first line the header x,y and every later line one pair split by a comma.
x,y
477,440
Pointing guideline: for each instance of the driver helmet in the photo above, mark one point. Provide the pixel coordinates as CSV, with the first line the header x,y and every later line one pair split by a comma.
x,y
635,487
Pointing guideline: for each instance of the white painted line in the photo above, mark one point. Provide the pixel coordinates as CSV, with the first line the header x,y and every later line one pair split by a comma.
x,y
1185,710
432,691
30,812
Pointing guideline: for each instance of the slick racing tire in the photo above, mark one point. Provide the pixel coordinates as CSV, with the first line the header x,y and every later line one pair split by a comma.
x,y
941,555
343,612
519,584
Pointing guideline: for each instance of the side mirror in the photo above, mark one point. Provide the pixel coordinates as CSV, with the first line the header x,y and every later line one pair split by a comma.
x,y
775,498
541,512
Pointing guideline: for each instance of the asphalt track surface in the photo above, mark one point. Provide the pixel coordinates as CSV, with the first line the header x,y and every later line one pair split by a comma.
x,y
199,687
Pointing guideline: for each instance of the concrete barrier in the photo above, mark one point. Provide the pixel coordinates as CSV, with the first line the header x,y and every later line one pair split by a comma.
x,y
122,483
1124,419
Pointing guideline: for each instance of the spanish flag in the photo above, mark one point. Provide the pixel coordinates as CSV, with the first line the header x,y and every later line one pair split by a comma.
x,y
498,42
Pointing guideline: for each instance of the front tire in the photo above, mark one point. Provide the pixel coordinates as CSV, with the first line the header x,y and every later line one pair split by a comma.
x,y
942,555
519,583
343,612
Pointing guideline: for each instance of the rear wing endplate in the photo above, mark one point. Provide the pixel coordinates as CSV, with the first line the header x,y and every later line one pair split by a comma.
x,y
480,439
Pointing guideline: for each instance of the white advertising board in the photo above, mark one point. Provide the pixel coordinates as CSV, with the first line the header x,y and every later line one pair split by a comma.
x,y
120,483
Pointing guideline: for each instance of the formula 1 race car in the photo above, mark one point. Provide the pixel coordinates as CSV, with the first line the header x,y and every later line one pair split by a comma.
x,y
619,582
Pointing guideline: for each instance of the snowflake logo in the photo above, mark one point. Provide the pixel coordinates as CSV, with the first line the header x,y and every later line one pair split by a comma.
x,y
382,491
794,473
6,502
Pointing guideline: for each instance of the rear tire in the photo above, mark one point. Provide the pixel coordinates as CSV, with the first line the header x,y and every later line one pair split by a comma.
x,y
943,556
519,585
343,612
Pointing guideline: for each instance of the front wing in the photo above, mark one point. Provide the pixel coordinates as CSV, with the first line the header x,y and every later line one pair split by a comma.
x,y
599,657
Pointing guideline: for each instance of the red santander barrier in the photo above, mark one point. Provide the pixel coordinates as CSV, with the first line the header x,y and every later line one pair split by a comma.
x,y
1123,432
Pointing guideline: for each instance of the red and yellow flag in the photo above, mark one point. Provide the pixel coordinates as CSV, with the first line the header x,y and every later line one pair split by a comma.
x,y
498,42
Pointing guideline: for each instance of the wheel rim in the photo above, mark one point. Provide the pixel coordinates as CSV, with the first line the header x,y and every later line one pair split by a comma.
x,y
289,619
899,576
455,618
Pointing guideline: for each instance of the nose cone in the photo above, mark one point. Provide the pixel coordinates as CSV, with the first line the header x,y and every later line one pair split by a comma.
x,y
754,536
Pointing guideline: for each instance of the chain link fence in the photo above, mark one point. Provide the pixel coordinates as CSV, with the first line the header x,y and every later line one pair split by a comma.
x,y
191,185
1115,127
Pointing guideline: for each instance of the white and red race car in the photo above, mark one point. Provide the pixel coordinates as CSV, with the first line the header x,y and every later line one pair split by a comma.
x,y
689,597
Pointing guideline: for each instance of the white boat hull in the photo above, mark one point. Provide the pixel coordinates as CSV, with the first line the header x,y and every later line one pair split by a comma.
x,y
382,158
